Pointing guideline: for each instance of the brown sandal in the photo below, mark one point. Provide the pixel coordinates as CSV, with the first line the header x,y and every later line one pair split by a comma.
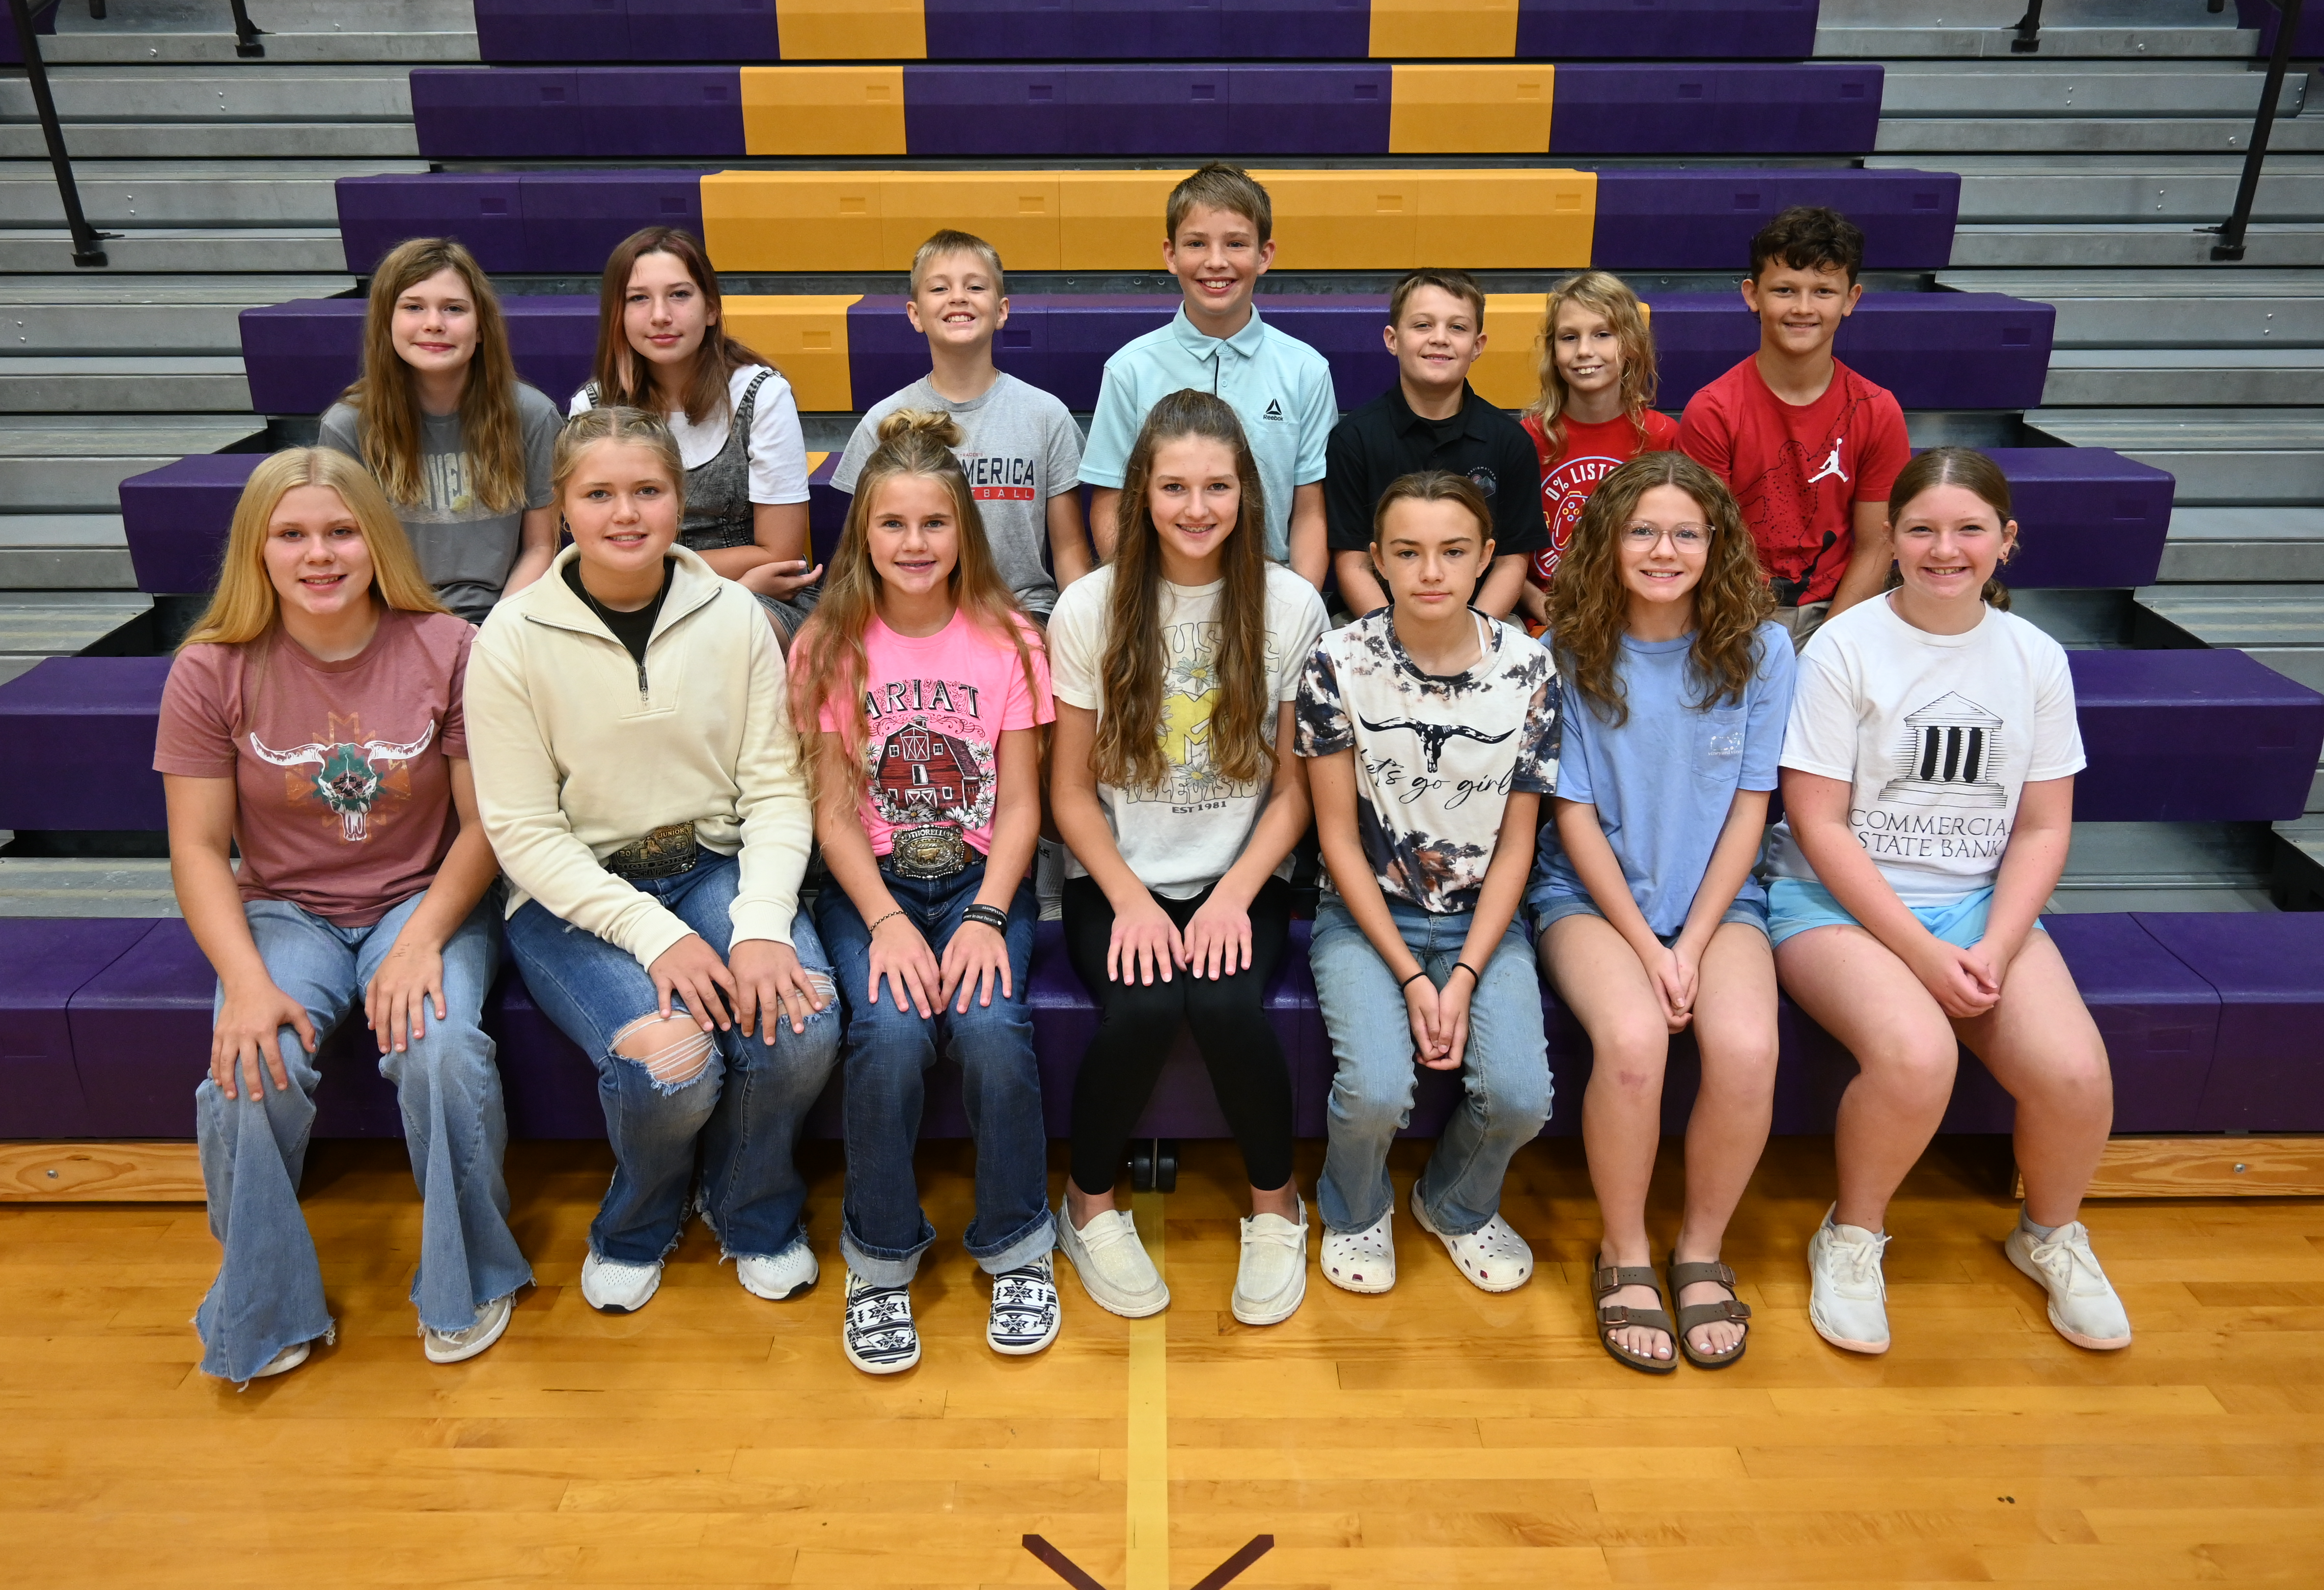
x,y
1691,1315
1614,1316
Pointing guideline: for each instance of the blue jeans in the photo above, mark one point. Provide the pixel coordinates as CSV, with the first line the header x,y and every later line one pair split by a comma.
x,y
890,1050
1504,1073
744,1109
269,1291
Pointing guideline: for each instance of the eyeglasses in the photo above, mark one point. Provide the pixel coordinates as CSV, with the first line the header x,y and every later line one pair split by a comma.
x,y
1686,538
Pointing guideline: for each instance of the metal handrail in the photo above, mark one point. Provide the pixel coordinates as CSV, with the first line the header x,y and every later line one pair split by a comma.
x,y
246,32
2028,41
88,242
2231,245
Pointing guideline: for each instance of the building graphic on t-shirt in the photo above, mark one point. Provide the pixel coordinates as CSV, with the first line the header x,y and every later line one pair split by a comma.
x,y
348,773
1948,756
922,775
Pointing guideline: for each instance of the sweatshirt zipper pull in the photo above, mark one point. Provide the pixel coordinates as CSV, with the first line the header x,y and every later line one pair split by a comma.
x,y
644,695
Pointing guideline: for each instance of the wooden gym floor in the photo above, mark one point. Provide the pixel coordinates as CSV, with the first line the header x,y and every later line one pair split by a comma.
x,y
1432,1437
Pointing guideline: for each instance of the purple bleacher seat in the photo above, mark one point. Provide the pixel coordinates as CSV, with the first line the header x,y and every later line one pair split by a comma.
x,y
1703,30
554,342
1305,110
2267,1075
1934,350
572,220
827,511
1703,220
1723,108
2086,517
12,53
670,112
966,111
499,112
141,1034
703,30
44,963
1295,30
549,1085
81,736
176,519
554,30
2263,14
302,355
483,209
2192,735
2160,1020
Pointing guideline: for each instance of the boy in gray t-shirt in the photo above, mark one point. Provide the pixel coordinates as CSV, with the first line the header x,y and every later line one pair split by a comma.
x,y
1022,451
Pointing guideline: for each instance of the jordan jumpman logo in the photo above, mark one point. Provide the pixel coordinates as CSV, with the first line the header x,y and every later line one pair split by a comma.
x,y
1831,464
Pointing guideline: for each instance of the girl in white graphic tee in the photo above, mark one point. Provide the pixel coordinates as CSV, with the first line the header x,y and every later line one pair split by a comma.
x,y
1929,787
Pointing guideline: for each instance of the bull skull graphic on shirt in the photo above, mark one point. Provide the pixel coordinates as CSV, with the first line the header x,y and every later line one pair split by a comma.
x,y
347,776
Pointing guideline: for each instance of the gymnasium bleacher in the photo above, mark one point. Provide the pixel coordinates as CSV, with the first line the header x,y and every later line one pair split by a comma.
x,y
1520,140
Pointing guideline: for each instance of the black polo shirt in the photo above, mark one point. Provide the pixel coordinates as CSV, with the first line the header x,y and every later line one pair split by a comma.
x,y
1374,446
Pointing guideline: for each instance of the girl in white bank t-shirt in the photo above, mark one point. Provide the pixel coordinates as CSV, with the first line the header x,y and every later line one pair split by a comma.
x,y
1929,787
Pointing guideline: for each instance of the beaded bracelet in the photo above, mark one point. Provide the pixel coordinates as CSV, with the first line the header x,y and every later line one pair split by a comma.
x,y
874,928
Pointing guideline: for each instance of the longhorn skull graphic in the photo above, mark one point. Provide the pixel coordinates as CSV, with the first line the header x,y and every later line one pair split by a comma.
x,y
1432,735
346,777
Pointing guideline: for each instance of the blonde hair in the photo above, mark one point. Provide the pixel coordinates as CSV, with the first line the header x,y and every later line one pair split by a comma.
x,y
1609,297
246,604
1220,186
383,395
828,662
620,424
948,241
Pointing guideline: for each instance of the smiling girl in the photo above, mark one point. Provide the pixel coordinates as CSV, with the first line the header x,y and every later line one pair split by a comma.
x,y
313,718
1929,792
928,687
663,346
460,445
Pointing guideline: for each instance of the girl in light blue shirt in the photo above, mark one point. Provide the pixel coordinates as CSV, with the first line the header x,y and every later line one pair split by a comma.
x,y
1650,922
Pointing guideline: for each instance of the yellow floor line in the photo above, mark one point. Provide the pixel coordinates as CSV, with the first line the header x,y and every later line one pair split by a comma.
x,y
1150,1420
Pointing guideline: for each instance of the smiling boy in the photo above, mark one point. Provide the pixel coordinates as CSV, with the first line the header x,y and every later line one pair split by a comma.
x,y
1808,446
1432,420
1220,243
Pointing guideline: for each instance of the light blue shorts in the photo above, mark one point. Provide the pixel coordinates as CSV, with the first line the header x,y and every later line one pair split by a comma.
x,y
1796,904
1556,908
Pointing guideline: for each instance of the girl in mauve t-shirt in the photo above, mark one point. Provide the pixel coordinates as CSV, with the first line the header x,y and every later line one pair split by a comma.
x,y
927,686
313,716
1596,412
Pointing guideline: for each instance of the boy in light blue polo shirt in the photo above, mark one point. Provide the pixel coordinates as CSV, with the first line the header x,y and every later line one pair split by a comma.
x,y
1221,242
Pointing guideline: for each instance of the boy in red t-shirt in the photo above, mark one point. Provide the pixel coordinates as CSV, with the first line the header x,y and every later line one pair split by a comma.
x,y
1808,446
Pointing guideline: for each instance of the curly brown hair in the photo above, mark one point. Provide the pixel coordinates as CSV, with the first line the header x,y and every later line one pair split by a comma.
x,y
1590,606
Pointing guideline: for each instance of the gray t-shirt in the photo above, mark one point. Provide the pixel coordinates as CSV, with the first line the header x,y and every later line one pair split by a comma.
x,y
465,550
1020,448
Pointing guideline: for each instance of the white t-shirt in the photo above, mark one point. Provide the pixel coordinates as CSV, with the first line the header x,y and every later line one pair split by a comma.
x,y
1181,839
778,447
1937,734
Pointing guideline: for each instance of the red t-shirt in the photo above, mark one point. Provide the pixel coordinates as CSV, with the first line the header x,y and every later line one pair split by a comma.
x,y
1798,471
343,802
1570,473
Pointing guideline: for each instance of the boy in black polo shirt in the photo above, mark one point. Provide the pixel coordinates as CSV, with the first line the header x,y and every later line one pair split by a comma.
x,y
1430,419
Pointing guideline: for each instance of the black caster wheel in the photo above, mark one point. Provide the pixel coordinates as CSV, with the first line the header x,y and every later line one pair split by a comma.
x,y
1154,1165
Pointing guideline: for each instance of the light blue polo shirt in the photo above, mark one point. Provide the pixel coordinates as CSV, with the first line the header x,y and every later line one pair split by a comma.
x,y
1278,386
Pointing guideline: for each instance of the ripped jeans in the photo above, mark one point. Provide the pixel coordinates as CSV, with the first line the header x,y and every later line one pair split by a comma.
x,y
743,1107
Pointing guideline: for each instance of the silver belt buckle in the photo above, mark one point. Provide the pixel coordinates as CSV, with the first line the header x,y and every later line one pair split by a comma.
x,y
938,850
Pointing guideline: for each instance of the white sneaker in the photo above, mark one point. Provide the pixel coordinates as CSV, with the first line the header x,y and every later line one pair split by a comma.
x,y
1494,1257
879,1335
785,1275
451,1346
1024,1314
1360,1260
1271,1278
618,1289
1847,1294
1112,1264
2083,1307
282,1363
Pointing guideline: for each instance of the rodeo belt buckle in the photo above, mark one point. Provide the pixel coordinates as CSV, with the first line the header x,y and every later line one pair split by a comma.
x,y
936,851
664,852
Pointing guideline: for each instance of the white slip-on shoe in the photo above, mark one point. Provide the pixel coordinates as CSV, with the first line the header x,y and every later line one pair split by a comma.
x,y
1024,1314
1848,1297
1494,1257
879,1335
2083,1307
612,1288
1360,1260
282,1363
1271,1276
452,1347
785,1275
1111,1263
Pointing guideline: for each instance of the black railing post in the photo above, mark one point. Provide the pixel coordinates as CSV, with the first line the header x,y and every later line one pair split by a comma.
x,y
246,32
2028,41
2231,245
88,245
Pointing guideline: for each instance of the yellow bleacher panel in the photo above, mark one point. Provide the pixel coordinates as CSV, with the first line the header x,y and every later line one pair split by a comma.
x,y
1440,28
1504,220
853,29
1113,221
1014,211
805,335
1463,109
823,110
1509,373
793,220
1346,220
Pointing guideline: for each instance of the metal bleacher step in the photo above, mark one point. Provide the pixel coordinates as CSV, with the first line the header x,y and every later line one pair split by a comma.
x,y
220,140
2166,866
2135,29
2046,190
247,91
66,465
149,193
2208,546
2163,243
124,384
2210,308
2093,135
413,31
2192,377
2282,625
113,312
36,624
86,886
231,250
2032,106
64,553
2235,457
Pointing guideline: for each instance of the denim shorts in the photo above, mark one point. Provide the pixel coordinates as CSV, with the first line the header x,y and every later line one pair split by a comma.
x,y
1796,904
1558,907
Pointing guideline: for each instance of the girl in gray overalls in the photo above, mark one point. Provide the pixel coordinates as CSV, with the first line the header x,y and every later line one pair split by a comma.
x,y
662,346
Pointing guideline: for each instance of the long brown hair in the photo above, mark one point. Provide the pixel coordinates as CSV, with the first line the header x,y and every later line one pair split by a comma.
x,y
827,663
1590,606
1128,753
1972,471
1608,296
246,604
621,374
382,396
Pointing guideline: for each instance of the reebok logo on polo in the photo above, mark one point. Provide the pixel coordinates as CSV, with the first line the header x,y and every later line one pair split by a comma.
x,y
1274,409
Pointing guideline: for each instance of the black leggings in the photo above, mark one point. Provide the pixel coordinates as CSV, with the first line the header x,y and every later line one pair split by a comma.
x,y
1137,1024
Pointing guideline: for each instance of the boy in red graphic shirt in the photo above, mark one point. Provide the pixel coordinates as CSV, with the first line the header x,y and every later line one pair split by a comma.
x,y
1808,446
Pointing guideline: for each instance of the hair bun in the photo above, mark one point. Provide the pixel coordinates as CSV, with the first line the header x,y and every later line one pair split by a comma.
x,y
936,426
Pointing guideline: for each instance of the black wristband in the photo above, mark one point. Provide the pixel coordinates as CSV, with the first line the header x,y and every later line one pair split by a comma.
x,y
1408,981
1474,975
991,916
